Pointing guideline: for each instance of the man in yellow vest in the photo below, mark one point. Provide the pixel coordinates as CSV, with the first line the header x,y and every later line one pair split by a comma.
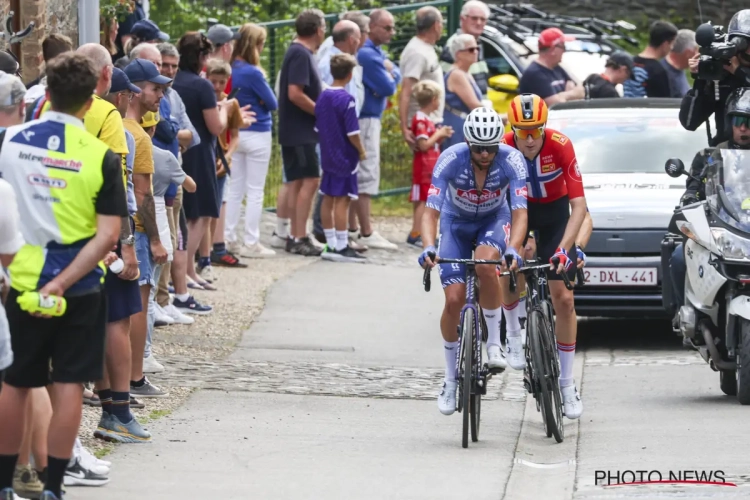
x,y
71,200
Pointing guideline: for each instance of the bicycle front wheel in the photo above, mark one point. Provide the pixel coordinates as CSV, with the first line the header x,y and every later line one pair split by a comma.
x,y
467,348
538,335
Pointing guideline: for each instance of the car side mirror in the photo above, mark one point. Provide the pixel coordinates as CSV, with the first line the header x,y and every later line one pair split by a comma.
x,y
674,167
504,83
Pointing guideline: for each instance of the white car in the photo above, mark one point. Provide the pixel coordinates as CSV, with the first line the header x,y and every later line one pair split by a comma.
x,y
621,146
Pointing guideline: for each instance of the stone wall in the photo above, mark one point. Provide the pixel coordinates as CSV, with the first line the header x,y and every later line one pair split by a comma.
x,y
50,16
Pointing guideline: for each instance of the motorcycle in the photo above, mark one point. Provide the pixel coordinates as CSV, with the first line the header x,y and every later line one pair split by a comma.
x,y
715,317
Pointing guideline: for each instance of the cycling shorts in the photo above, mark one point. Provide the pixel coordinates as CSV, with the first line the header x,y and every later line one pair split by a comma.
x,y
548,221
457,236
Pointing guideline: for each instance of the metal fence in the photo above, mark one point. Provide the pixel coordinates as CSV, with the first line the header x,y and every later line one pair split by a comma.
x,y
395,156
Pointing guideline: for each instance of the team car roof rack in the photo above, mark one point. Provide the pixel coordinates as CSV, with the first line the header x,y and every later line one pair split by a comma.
x,y
522,22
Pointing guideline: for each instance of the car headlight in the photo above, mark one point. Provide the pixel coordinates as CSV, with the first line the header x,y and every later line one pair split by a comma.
x,y
731,246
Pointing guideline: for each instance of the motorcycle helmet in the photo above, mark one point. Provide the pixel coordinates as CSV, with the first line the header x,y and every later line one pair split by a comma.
x,y
738,104
483,127
527,111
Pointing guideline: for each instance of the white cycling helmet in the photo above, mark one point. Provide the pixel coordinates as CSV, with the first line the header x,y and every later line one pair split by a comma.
x,y
484,127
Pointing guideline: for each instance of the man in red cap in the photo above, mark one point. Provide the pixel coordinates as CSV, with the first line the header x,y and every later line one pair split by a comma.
x,y
544,77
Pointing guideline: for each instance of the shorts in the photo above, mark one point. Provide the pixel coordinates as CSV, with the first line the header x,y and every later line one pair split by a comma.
x,y
182,231
123,297
548,221
457,236
368,175
300,162
419,192
74,342
339,186
146,263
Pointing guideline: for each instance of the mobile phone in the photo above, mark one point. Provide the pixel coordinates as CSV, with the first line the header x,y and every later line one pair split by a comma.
x,y
233,94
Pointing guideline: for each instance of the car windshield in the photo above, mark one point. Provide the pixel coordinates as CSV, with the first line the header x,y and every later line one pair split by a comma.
x,y
728,188
614,143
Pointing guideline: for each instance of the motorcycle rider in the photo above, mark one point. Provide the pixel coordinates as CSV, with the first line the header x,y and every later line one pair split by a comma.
x,y
737,114
701,101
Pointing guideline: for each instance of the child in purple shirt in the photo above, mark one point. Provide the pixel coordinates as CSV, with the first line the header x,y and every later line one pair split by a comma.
x,y
340,152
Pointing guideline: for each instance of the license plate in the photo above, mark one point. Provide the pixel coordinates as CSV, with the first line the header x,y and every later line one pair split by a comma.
x,y
620,276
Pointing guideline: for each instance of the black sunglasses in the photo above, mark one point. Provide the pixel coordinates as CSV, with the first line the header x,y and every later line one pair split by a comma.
x,y
481,148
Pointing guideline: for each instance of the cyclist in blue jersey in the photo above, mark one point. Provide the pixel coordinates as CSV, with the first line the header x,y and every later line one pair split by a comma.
x,y
468,197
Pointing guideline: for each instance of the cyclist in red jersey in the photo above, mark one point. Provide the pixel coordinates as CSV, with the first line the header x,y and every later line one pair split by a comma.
x,y
557,210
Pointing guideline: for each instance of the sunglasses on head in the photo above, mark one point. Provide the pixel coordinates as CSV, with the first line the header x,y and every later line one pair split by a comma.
x,y
534,133
481,148
739,121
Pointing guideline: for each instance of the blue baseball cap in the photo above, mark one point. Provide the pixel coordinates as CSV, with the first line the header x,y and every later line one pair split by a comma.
x,y
141,70
120,82
147,30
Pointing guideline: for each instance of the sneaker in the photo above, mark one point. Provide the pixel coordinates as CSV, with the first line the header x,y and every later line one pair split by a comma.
x,y
207,274
177,316
377,241
356,245
150,365
147,390
26,482
317,243
256,251
278,241
348,254
113,430
89,461
7,494
161,318
227,259
516,356
572,404
91,399
447,398
305,248
496,358
135,404
414,240
78,475
191,306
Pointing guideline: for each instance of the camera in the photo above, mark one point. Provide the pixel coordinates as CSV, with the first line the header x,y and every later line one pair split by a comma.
x,y
716,50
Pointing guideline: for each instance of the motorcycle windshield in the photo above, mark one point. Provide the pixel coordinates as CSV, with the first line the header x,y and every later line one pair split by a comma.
x,y
728,187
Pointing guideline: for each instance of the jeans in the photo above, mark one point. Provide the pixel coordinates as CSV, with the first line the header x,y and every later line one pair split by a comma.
x,y
677,271
151,311
249,168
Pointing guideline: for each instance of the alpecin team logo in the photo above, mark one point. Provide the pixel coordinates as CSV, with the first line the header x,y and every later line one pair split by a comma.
x,y
522,192
506,230
433,191
474,196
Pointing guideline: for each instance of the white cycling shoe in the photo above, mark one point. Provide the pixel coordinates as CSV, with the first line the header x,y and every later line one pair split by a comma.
x,y
516,355
447,398
572,404
496,357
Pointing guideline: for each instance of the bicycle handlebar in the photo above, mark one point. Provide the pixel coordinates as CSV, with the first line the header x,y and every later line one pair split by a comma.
x,y
512,274
556,262
426,279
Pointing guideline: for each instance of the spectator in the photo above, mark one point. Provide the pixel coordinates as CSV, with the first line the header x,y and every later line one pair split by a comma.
x,y
11,239
380,77
429,95
108,29
187,137
474,15
251,158
544,77
300,87
462,94
90,210
199,162
148,245
650,79
677,61
124,28
340,151
52,46
144,31
9,63
617,70
223,40
419,62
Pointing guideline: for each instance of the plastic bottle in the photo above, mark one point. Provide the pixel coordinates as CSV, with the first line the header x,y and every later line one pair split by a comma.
x,y
34,302
117,266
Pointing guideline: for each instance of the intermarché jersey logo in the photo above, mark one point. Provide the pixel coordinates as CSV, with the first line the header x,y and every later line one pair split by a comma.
x,y
59,163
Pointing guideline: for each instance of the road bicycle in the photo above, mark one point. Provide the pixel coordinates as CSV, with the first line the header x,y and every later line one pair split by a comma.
x,y
472,374
542,372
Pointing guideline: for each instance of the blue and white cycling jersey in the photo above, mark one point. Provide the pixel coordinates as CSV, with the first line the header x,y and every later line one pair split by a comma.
x,y
454,191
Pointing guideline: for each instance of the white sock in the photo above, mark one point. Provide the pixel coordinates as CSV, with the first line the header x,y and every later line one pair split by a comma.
x,y
182,297
342,240
567,353
493,317
450,360
512,313
330,238
282,227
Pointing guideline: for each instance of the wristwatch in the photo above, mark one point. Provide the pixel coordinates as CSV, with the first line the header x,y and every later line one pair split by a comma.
x,y
129,241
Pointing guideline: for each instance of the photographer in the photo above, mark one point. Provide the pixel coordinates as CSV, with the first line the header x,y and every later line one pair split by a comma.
x,y
701,101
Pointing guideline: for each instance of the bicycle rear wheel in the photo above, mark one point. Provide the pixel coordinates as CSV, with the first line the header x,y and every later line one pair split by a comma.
x,y
544,374
553,362
465,379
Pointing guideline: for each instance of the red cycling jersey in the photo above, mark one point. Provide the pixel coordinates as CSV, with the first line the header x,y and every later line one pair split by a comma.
x,y
554,172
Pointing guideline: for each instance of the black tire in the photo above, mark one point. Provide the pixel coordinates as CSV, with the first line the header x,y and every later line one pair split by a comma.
x,y
467,348
743,363
553,364
538,337
476,412
728,382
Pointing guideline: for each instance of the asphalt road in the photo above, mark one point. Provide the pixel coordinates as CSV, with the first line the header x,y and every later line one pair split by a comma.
x,y
342,369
